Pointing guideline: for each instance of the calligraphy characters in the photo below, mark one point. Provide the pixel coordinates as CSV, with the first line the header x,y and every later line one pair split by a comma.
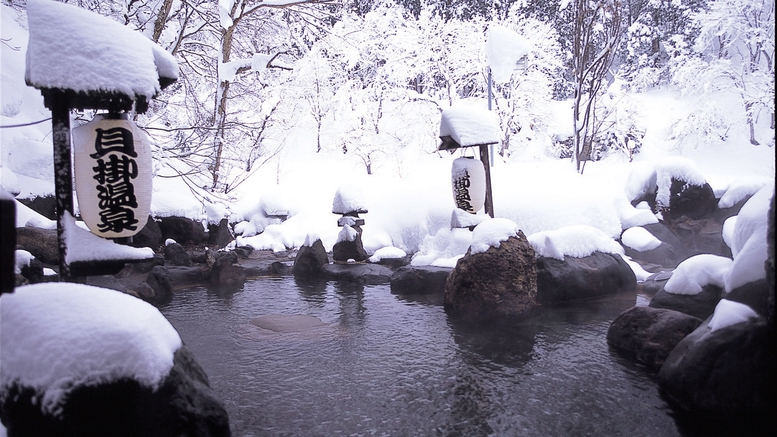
x,y
116,168
468,181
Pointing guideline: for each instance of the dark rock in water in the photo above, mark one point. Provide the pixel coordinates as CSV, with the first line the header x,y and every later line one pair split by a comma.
x,y
700,236
599,274
498,283
700,305
41,243
664,255
226,272
673,251
146,266
244,251
160,280
149,236
183,405
279,269
220,235
419,280
647,335
176,255
362,274
310,260
106,281
347,250
753,294
43,205
182,230
694,201
182,275
143,291
725,376
655,282
33,271
394,263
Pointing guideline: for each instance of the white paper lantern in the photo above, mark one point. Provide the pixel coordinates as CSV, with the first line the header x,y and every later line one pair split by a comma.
x,y
113,171
469,184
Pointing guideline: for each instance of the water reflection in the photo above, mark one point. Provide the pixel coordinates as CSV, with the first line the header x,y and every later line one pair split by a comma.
x,y
388,365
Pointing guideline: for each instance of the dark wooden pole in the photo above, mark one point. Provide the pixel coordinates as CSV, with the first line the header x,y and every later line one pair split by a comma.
x,y
7,242
486,164
63,173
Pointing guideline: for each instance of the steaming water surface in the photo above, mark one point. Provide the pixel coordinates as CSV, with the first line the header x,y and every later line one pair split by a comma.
x,y
384,365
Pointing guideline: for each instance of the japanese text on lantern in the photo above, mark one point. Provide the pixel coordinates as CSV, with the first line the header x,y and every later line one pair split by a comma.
x,y
115,170
461,188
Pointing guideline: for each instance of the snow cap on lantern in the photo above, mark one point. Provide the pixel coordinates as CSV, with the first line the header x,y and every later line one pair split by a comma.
x,y
113,172
350,202
466,126
504,50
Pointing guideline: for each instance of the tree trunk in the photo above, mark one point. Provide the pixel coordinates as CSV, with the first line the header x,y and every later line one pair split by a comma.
x,y
161,19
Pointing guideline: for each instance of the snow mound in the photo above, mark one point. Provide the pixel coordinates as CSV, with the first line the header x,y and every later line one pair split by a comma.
x,y
444,248
387,253
728,313
72,48
742,188
491,233
56,336
639,239
470,126
82,245
577,241
347,234
23,259
697,271
749,240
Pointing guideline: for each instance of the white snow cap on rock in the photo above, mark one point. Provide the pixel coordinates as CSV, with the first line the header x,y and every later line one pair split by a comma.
x,y
504,48
491,233
577,241
57,336
639,239
389,252
749,244
347,234
23,259
470,126
697,271
349,198
73,48
741,188
682,169
728,313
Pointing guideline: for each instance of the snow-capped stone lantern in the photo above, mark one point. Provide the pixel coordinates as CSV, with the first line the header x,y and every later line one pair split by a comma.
x,y
464,126
349,201
81,60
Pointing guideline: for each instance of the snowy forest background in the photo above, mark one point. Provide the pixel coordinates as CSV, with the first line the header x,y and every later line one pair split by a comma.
x,y
270,86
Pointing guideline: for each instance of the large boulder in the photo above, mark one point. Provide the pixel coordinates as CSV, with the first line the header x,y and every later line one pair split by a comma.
x,y
700,305
149,236
694,201
500,282
754,294
219,235
419,280
226,273
310,260
725,375
350,246
176,255
162,283
182,230
599,274
647,335
357,273
41,243
183,405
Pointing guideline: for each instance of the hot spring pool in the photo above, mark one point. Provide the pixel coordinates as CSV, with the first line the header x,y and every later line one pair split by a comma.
x,y
386,365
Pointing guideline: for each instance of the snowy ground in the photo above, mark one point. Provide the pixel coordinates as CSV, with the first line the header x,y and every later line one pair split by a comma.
x,y
409,196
